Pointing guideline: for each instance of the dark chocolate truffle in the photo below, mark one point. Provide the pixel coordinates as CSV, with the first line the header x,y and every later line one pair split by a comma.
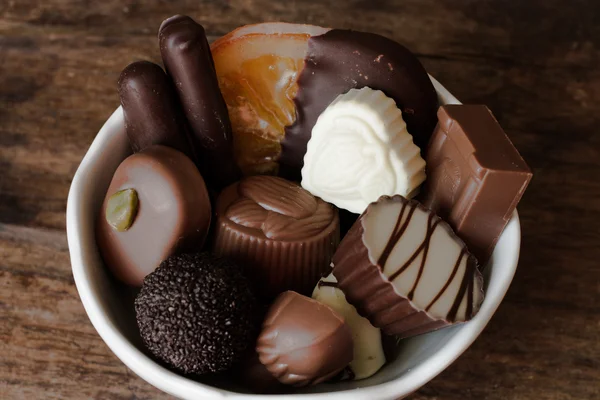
x,y
304,342
197,313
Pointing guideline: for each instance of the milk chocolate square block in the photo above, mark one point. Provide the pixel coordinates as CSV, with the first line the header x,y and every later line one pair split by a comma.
x,y
475,176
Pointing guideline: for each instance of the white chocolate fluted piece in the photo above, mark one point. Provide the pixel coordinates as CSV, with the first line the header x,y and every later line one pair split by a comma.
x,y
369,356
360,150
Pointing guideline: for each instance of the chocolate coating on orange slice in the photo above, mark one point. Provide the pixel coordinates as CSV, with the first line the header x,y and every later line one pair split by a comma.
x,y
258,68
340,60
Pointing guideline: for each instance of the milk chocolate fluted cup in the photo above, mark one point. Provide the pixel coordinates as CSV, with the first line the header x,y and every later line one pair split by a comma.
x,y
283,235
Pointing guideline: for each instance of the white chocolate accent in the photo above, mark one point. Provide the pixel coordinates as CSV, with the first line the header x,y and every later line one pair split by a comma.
x,y
368,349
444,251
360,150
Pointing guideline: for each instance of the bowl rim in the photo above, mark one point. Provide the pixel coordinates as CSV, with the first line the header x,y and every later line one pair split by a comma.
x,y
177,385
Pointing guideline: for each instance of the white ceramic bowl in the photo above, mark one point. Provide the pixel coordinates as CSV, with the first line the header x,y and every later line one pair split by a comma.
x,y
420,360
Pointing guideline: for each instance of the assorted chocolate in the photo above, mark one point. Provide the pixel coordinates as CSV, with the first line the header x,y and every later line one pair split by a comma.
x,y
364,111
476,176
360,150
151,110
404,269
278,230
369,354
303,342
188,60
197,313
156,205
340,60
258,68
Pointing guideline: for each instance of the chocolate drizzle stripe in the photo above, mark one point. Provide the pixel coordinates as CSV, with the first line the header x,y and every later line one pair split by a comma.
x,y
417,251
469,273
425,248
396,235
390,244
450,279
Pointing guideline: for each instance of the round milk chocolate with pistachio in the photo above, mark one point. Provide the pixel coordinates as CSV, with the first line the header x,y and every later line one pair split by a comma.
x,y
303,342
280,232
404,269
173,213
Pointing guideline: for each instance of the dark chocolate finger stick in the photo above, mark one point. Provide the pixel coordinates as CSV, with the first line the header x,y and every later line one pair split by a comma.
x,y
187,58
150,108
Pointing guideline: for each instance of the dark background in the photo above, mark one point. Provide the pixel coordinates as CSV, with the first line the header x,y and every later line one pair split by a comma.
x,y
534,63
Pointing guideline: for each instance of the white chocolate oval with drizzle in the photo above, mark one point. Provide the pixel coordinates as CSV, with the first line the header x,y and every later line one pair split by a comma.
x,y
423,260
405,269
359,150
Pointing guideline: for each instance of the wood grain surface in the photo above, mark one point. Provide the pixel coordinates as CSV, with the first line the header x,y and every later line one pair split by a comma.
x,y
534,63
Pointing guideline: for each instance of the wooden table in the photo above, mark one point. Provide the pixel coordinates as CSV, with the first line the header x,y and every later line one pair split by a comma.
x,y
534,63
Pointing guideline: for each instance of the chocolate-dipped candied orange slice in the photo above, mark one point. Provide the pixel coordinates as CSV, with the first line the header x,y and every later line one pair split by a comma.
x,y
283,236
258,68
278,78
404,269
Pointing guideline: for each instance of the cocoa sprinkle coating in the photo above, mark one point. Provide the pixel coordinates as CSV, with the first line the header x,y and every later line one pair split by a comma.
x,y
197,313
